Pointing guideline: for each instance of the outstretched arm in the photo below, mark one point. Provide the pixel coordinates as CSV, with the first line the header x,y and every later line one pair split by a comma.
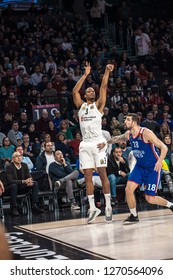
x,y
149,136
119,138
76,95
101,101
115,139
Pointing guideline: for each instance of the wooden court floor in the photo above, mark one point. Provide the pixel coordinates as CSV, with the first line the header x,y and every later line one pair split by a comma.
x,y
73,238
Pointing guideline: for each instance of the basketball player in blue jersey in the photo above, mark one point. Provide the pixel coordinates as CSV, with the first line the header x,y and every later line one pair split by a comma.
x,y
90,156
146,147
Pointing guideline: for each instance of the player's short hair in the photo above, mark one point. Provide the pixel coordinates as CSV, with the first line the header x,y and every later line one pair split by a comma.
x,y
135,117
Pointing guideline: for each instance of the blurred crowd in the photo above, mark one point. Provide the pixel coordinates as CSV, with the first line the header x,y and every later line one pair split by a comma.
x,y
43,53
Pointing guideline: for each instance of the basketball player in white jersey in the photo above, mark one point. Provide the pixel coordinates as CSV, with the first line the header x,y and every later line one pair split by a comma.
x,y
90,117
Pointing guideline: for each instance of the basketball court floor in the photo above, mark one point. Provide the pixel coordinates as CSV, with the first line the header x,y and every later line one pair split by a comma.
x,y
65,234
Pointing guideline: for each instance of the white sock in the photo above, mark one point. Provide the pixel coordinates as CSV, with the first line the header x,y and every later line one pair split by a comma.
x,y
169,204
91,202
133,212
108,200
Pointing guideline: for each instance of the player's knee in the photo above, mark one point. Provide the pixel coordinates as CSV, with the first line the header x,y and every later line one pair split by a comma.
x,y
88,177
150,199
128,190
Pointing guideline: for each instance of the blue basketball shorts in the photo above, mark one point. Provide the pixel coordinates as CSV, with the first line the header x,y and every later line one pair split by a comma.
x,y
147,176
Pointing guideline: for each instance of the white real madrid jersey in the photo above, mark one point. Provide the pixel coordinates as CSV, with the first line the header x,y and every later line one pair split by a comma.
x,y
90,122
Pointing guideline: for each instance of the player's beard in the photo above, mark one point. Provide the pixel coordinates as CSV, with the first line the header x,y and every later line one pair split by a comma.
x,y
91,99
127,128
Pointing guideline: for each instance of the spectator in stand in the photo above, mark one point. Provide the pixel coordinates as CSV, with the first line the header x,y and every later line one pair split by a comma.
x,y
115,127
140,116
3,97
72,61
32,132
66,45
164,58
36,77
138,83
43,84
6,80
52,131
124,57
165,118
75,120
127,78
164,86
14,134
66,101
134,99
46,139
150,123
57,119
23,122
126,150
168,142
117,171
105,125
155,97
22,23
167,175
24,90
50,64
19,77
63,145
6,123
28,148
26,159
19,182
169,94
121,69
42,124
74,144
11,105
157,113
70,82
57,82
123,114
62,177
106,114
124,12
50,94
103,4
67,127
6,152
38,175
45,158
167,109
143,73
77,74
95,14
151,81
164,131
143,48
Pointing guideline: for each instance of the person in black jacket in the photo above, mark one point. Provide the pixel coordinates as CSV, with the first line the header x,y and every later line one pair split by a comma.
x,y
20,181
61,175
45,158
117,171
